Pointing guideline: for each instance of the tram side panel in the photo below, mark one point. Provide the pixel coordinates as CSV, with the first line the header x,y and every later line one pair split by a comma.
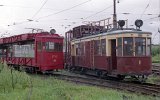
x,y
134,65
87,57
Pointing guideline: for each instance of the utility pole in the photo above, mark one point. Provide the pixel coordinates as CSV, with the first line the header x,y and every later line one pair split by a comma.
x,y
114,15
159,43
159,29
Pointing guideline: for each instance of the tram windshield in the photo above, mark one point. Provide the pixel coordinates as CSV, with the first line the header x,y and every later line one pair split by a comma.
x,y
128,46
138,46
50,46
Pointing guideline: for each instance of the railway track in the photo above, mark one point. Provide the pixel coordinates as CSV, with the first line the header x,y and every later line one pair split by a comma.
x,y
146,88
156,69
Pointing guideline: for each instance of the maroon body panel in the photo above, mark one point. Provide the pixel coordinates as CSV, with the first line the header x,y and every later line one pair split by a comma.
x,y
90,60
50,61
19,61
88,54
134,65
101,62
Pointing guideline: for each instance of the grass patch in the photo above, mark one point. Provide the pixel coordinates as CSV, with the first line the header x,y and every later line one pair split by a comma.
x,y
11,79
154,79
20,86
156,58
155,54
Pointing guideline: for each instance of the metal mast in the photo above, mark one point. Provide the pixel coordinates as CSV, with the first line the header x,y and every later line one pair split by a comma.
x,y
114,15
159,29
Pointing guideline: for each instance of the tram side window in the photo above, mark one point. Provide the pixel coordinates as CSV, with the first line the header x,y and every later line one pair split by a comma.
x,y
59,47
39,46
97,47
78,51
2,53
51,46
128,46
148,51
119,46
140,46
103,44
82,48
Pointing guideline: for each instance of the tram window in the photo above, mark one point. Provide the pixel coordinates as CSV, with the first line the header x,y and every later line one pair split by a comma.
x,y
2,54
140,46
78,51
148,51
82,48
103,45
76,45
128,46
59,47
39,46
51,46
119,46
97,47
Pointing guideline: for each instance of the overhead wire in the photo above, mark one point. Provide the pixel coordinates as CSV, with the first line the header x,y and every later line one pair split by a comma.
x,y
151,18
154,36
29,20
15,6
40,9
97,12
92,15
145,8
65,10
148,14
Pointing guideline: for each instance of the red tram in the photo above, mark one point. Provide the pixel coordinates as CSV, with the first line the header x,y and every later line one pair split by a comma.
x,y
35,51
104,50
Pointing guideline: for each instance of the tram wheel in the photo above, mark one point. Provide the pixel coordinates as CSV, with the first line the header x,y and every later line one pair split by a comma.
x,y
142,78
83,71
120,77
99,73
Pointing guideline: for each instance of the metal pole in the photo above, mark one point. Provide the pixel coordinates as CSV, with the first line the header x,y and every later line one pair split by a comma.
x,y
114,15
159,42
159,29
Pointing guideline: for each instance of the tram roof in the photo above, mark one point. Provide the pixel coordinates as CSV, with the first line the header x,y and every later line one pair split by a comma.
x,y
115,32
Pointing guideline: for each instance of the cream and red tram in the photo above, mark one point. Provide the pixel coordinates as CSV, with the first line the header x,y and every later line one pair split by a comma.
x,y
121,52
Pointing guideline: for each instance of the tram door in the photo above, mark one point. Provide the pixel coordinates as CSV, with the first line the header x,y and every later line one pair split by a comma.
x,y
40,53
113,54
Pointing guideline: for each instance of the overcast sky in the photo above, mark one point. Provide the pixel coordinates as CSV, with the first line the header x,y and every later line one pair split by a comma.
x,y
62,15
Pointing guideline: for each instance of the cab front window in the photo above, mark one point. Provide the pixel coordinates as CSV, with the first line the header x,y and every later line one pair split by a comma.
x,y
140,46
133,46
148,51
51,46
128,46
